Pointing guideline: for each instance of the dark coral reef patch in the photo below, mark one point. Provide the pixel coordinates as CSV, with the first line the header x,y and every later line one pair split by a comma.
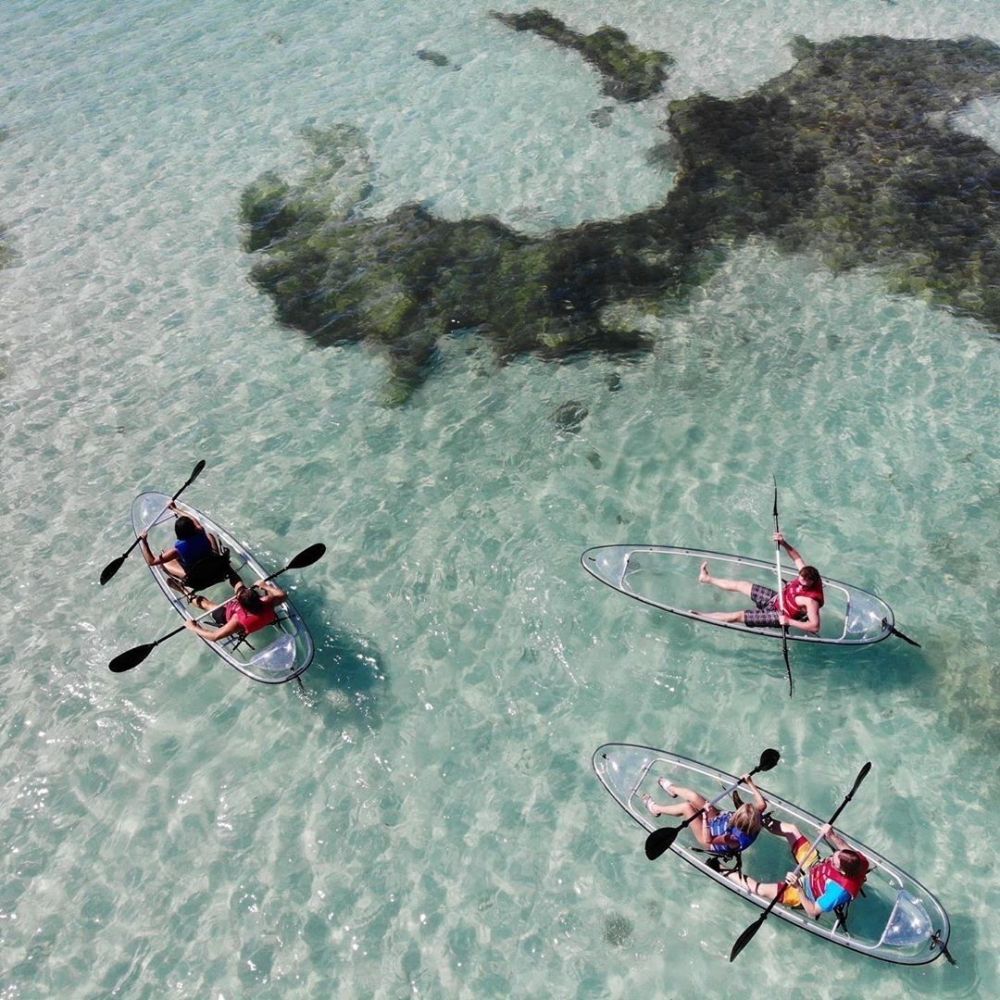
x,y
851,155
629,73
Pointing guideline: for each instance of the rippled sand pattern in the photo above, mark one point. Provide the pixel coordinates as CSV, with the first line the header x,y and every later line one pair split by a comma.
x,y
421,820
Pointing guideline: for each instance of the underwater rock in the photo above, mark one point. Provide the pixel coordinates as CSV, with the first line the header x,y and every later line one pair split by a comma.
x,y
617,930
601,117
629,74
849,154
613,381
429,55
569,416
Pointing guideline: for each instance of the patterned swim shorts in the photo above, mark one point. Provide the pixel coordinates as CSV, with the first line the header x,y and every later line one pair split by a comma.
x,y
764,616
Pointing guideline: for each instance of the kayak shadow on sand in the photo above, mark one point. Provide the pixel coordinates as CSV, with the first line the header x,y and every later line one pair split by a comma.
x,y
348,675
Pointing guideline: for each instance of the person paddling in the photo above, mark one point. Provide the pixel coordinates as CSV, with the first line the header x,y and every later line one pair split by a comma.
x,y
798,606
193,559
821,886
718,832
250,610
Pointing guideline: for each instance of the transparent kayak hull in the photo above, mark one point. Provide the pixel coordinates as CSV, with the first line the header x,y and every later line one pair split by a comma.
x,y
274,655
666,577
896,920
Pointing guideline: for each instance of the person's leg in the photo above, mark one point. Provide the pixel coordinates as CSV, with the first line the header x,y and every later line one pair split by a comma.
x,y
766,890
683,809
722,616
174,568
789,831
736,586
695,809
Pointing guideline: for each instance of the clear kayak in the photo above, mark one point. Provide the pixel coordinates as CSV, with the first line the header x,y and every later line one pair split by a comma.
x,y
666,577
273,655
895,920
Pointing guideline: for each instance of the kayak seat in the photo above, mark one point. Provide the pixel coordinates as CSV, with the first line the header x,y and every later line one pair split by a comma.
x,y
211,570
724,864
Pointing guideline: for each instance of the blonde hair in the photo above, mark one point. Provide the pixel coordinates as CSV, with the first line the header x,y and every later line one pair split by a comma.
x,y
747,818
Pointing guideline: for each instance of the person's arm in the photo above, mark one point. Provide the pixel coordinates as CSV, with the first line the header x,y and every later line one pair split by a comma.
x,y
811,624
758,800
272,593
793,553
213,635
189,516
795,878
147,553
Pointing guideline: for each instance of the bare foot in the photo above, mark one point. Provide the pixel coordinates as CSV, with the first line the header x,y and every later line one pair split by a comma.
x,y
703,574
647,801
667,787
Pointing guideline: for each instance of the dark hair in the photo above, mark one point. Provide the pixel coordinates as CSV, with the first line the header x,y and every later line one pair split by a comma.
x,y
250,599
184,527
851,863
810,574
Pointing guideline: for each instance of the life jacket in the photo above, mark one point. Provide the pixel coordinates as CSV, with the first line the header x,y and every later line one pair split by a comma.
x,y
192,550
250,621
824,871
723,824
796,588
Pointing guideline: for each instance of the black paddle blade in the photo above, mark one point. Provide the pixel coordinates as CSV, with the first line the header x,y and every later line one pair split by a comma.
x,y
659,841
308,556
747,936
768,759
112,567
130,658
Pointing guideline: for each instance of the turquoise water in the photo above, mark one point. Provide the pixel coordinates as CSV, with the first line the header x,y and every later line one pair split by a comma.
x,y
422,820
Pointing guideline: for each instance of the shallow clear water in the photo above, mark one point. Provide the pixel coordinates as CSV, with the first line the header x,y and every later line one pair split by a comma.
x,y
423,820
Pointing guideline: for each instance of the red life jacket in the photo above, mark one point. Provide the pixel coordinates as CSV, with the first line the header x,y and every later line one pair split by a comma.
x,y
250,621
796,588
824,872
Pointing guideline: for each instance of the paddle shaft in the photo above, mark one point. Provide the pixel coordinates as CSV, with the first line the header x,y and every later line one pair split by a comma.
x,y
781,603
112,567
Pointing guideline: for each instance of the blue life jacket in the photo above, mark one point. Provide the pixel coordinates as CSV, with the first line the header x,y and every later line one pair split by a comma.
x,y
192,550
723,824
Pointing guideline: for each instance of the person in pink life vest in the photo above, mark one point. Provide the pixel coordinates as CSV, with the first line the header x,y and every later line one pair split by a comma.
x,y
249,611
797,607
820,886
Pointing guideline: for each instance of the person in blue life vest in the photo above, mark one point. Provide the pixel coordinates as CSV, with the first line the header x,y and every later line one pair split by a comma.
x,y
797,606
192,558
250,610
821,886
718,832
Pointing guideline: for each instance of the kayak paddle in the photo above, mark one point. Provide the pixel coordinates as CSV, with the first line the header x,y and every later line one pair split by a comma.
x,y
134,656
744,939
781,603
660,840
899,635
116,564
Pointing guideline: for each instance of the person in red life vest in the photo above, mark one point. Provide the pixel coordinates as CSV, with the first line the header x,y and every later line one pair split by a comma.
x,y
798,606
249,611
821,886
